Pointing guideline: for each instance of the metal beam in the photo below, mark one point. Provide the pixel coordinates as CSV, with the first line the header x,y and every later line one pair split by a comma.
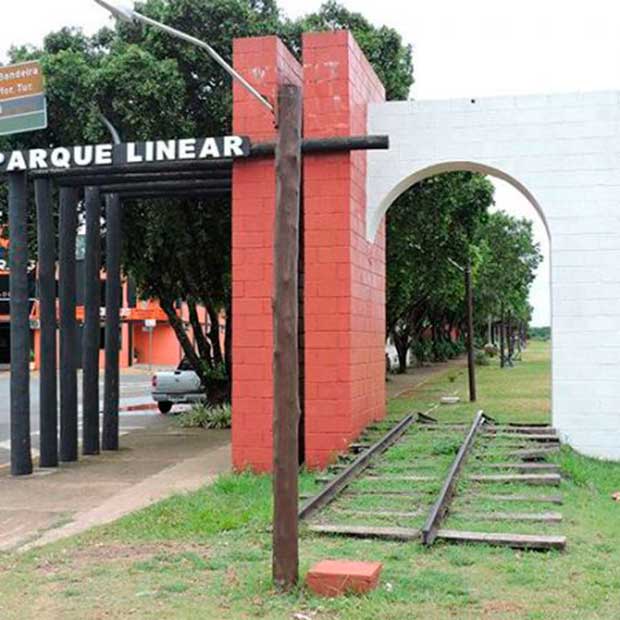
x,y
92,325
173,195
440,507
166,186
154,167
68,326
21,459
342,480
48,393
147,177
110,439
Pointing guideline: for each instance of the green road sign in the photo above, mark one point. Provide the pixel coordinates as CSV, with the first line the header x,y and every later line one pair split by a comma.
x,y
23,106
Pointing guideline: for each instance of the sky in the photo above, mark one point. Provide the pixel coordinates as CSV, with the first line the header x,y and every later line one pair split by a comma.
x,y
461,49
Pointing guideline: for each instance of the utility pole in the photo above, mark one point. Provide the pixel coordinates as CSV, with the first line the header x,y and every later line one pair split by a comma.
x,y
286,408
471,361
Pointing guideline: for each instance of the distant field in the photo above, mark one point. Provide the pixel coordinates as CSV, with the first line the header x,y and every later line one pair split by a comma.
x,y
207,555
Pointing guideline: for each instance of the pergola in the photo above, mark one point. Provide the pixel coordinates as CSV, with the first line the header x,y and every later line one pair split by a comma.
x,y
114,183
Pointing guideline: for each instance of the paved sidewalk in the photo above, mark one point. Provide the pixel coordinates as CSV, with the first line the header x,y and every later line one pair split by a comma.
x,y
399,385
152,464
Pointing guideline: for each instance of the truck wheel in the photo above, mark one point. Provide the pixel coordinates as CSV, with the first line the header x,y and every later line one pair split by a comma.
x,y
164,407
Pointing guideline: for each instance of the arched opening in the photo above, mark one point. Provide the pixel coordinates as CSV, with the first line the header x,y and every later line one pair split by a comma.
x,y
514,200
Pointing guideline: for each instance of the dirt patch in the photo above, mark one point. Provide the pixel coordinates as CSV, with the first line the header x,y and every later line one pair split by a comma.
x,y
113,553
499,609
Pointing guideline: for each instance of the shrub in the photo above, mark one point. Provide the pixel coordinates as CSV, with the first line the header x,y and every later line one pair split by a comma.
x,y
482,358
205,416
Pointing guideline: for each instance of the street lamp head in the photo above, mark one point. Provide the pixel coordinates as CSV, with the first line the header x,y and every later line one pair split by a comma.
x,y
121,9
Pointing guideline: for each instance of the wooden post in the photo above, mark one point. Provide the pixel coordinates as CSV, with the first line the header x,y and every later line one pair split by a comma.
x,y
21,458
109,439
68,326
471,358
48,393
92,324
286,411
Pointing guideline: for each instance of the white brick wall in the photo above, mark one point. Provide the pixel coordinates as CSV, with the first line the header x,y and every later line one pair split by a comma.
x,y
563,152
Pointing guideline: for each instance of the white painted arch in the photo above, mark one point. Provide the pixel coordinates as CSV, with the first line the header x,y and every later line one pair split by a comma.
x,y
563,153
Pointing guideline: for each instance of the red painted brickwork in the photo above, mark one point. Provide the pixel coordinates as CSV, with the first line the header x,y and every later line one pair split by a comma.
x,y
344,293
338,577
344,273
265,63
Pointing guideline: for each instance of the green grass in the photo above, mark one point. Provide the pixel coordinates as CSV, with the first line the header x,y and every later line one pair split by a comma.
x,y
208,554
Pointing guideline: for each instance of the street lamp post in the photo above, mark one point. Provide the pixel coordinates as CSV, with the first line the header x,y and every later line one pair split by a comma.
x,y
469,303
125,12
285,302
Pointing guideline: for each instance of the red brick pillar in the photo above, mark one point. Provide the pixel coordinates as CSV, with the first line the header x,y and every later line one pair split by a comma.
x,y
265,63
344,273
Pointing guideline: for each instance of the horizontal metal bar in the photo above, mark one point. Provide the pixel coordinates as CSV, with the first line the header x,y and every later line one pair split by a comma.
x,y
439,509
173,194
340,482
128,178
166,185
168,166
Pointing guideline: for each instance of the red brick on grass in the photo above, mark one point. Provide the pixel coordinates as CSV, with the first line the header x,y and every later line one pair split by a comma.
x,y
338,577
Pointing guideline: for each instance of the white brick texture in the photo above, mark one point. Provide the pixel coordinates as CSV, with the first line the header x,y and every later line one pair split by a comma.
x,y
563,153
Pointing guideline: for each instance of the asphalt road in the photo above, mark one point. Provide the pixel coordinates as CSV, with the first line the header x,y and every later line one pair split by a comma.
x,y
134,390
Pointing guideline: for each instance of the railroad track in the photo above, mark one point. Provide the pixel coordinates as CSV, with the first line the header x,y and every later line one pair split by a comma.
x,y
419,480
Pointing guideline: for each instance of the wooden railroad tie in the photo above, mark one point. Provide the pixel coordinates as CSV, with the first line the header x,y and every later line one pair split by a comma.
x,y
363,531
534,453
536,499
541,437
380,513
542,479
515,541
538,517
526,467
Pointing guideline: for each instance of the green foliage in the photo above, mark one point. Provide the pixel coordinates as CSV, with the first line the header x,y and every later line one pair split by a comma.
x,y
539,333
205,416
482,358
151,85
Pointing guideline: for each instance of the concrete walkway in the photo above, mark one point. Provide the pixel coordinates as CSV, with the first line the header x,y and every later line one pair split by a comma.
x,y
399,385
152,464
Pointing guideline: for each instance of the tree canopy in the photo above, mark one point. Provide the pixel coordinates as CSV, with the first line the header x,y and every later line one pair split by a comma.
x,y
151,85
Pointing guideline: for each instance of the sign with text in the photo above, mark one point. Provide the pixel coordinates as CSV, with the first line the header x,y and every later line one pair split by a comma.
x,y
23,106
153,151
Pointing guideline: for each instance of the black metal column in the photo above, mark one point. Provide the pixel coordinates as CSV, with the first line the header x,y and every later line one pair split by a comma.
x,y
48,397
92,327
21,458
112,322
68,326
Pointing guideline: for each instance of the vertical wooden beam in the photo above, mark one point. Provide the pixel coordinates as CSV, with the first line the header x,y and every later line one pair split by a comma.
x,y
112,322
92,325
68,326
285,334
471,358
21,458
48,396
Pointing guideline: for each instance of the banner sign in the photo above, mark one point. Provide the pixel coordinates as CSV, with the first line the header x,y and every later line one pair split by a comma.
x,y
23,106
154,151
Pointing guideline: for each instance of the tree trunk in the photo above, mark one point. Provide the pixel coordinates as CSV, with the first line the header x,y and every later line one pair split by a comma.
x,y
401,342
502,343
214,335
204,349
176,323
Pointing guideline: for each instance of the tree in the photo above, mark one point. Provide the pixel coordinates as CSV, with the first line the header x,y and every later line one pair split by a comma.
x,y
179,250
428,226
509,258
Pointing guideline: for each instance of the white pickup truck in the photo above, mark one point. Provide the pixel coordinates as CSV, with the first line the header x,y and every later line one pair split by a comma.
x,y
175,387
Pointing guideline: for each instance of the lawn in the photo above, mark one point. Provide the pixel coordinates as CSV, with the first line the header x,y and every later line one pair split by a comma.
x,y
207,554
